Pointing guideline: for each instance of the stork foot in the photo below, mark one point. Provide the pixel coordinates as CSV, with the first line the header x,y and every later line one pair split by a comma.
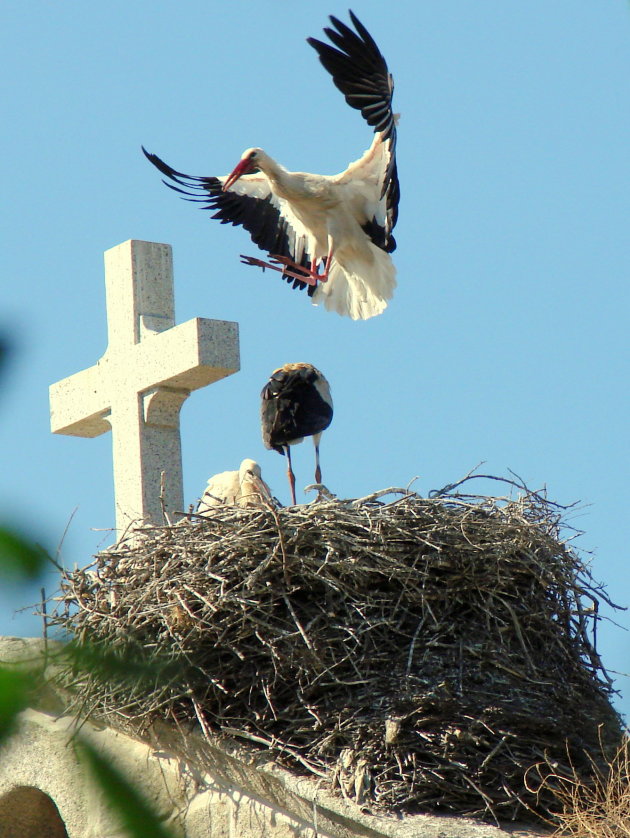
x,y
257,263
305,273
286,266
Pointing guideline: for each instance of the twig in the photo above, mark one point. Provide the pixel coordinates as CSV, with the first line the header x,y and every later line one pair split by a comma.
x,y
165,514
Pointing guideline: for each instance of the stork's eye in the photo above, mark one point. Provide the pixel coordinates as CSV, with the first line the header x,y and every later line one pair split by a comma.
x,y
253,155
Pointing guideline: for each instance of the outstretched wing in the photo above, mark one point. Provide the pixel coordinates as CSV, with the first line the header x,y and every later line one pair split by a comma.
x,y
360,72
250,203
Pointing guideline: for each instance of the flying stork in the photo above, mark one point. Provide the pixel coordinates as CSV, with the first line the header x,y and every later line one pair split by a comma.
x,y
296,402
331,234
244,487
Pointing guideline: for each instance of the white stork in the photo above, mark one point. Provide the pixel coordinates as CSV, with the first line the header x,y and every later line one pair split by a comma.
x,y
331,234
296,402
244,487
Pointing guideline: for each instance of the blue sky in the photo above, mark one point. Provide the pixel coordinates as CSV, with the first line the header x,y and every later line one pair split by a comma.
x,y
507,339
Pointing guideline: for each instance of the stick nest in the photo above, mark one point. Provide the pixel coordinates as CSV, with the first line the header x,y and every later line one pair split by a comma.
x,y
426,654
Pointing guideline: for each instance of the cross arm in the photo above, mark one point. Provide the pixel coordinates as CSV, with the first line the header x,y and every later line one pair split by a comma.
x,y
78,406
188,356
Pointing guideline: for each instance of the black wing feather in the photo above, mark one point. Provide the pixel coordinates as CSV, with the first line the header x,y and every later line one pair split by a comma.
x,y
360,72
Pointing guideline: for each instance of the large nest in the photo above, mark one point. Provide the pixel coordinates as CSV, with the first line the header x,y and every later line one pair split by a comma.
x,y
426,654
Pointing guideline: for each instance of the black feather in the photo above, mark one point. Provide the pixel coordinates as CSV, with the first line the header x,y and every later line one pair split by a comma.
x,y
360,72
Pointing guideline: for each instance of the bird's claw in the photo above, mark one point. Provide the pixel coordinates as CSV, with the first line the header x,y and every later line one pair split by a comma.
x,y
251,260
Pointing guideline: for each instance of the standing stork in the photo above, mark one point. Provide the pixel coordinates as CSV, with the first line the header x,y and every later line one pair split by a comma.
x,y
331,234
296,402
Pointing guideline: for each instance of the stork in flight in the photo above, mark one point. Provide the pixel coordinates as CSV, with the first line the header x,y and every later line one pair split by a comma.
x,y
244,487
296,402
331,234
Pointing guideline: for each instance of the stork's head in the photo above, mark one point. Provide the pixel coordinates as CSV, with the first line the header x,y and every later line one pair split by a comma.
x,y
249,468
250,478
249,162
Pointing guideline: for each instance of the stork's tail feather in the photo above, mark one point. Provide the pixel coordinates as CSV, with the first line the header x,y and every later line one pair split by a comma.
x,y
357,290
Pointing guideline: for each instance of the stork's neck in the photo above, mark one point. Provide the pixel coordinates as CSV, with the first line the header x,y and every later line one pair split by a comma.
x,y
279,177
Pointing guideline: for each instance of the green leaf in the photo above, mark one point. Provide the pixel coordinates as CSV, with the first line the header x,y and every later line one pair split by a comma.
x,y
129,663
14,693
19,557
136,816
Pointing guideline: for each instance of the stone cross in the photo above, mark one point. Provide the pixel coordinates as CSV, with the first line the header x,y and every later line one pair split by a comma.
x,y
137,388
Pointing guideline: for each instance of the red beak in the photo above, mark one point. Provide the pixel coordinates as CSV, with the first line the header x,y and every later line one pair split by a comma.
x,y
241,168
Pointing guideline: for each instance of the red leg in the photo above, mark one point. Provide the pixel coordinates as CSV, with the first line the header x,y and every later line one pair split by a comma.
x,y
318,471
322,277
291,268
290,474
286,270
327,264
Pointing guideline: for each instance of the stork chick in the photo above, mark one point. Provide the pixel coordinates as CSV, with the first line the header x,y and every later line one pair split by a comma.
x,y
296,402
244,487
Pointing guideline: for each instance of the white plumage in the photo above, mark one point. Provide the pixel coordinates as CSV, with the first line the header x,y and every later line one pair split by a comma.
x,y
244,487
330,234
